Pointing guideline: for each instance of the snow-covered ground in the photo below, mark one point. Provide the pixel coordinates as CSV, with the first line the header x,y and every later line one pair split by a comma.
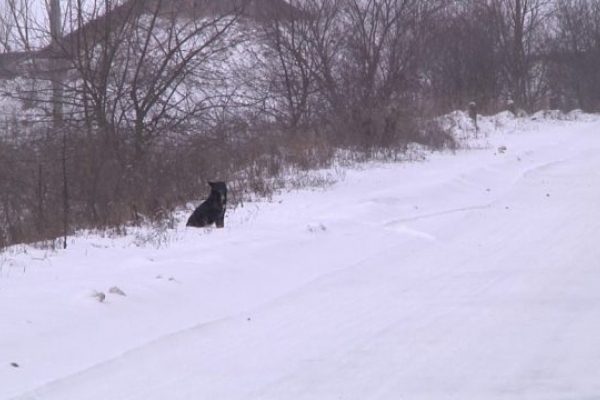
x,y
473,275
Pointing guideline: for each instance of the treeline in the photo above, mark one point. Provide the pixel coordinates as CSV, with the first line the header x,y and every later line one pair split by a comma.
x,y
128,115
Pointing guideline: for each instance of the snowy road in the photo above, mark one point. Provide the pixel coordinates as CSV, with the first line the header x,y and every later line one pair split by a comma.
x,y
469,276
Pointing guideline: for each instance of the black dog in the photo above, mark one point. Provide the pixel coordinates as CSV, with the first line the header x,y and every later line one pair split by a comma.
x,y
212,210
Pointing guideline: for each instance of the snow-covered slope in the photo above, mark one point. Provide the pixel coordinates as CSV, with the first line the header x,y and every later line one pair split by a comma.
x,y
469,276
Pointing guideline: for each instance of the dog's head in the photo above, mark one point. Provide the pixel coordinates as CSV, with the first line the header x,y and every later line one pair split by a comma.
x,y
221,188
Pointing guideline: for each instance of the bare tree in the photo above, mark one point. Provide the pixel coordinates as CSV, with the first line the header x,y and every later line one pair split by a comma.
x,y
18,26
576,55
137,65
521,27
290,67
381,64
463,63
58,81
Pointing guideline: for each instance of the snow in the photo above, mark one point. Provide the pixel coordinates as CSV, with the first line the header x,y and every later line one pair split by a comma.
x,y
472,275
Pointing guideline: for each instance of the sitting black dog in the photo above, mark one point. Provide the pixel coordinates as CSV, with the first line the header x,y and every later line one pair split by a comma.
x,y
212,210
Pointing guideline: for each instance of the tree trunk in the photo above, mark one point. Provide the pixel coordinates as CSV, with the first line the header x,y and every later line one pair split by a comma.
x,y
57,103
